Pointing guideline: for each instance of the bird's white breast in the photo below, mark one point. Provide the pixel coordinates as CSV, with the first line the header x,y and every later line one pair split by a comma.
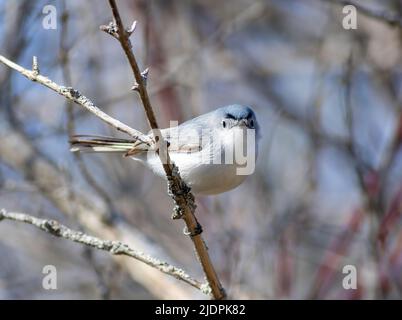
x,y
205,171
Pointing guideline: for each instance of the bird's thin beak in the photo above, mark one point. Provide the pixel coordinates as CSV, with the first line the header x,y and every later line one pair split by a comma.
x,y
242,123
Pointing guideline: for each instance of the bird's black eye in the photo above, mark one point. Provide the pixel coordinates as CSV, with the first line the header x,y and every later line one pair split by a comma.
x,y
224,123
251,123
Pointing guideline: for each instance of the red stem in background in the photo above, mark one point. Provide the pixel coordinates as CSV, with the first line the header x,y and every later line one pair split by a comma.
x,y
390,218
332,259
285,265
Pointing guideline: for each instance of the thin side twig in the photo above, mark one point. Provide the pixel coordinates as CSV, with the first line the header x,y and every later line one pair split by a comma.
x,y
114,247
180,193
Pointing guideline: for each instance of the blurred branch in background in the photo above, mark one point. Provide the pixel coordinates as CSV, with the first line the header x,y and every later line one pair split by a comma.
x,y
64,60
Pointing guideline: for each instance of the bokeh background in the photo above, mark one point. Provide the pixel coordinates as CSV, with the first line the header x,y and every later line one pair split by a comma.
x,y
327,189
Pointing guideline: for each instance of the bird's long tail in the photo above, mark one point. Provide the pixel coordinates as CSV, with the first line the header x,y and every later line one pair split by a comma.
x,y
85,143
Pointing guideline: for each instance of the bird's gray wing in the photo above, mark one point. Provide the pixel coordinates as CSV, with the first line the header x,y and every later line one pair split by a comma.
x,y
185,138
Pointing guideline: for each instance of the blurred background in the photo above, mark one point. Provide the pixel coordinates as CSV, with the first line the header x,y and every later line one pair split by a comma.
x,y
327,189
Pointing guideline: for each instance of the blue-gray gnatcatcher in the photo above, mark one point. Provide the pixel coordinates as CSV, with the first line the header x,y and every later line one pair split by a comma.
x,y
214,152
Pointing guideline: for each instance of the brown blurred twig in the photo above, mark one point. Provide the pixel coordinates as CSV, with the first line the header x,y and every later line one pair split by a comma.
x,y
330,263
114,247
64,60
180,193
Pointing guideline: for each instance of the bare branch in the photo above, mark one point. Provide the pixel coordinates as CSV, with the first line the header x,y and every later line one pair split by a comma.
x,y
74,95
114,247
178,190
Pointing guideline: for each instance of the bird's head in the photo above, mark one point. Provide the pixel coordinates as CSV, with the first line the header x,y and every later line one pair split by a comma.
x,y
235,115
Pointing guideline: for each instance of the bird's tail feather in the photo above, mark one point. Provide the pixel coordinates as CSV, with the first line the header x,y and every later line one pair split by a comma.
x,y
86,143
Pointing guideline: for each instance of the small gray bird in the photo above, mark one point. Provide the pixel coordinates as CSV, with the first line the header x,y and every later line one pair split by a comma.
x,y
214,152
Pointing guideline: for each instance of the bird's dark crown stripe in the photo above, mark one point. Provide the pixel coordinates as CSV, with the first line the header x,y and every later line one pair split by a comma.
x,y
247,115
230,116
